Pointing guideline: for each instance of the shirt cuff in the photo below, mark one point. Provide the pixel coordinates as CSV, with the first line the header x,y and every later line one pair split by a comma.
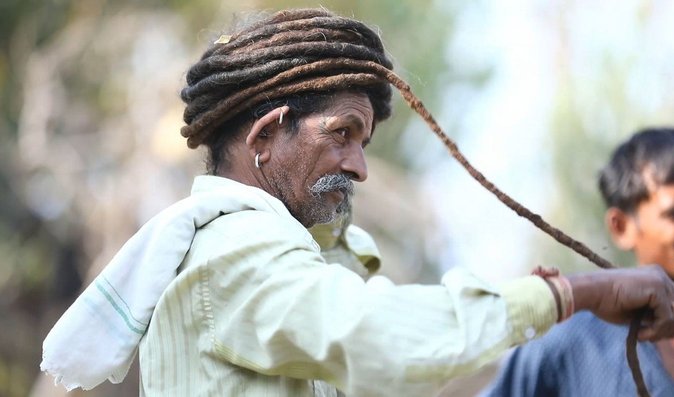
x,y
531,308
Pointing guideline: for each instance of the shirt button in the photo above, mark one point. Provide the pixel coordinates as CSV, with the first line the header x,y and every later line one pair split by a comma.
x,y
530,333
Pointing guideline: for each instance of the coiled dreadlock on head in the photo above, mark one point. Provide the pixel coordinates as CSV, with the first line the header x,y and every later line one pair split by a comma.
x,y
296,58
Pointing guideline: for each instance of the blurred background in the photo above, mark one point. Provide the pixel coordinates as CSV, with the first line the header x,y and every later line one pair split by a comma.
x,y
535,92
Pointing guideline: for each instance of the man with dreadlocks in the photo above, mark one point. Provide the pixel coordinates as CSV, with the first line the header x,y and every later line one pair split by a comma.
x,y
585,355
226,293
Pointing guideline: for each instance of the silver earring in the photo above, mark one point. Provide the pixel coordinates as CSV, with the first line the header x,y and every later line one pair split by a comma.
x,y
257,161
280,118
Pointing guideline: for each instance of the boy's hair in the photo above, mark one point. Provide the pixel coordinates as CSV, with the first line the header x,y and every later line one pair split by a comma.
x,y
648,154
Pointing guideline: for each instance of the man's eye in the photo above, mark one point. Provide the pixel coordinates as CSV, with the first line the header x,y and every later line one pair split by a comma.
x,y
343,132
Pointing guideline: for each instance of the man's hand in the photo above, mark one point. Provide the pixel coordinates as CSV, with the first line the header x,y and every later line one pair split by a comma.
x,y
616,295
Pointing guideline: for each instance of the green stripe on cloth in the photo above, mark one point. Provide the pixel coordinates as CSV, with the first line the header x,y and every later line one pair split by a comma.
x,y
118,309
119,298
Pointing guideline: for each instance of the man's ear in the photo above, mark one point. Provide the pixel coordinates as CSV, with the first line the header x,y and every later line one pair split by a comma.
x,y
622,227
263,132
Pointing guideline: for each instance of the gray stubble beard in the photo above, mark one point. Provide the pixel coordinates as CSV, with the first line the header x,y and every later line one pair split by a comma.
x,y
325,184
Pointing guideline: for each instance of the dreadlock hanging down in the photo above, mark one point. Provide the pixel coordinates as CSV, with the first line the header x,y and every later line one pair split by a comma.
x,y
304,51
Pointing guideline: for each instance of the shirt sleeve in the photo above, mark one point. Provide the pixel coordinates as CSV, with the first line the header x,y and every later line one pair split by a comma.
x,y
274,307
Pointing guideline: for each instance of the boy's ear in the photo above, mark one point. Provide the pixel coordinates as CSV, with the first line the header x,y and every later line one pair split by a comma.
x,y
622,227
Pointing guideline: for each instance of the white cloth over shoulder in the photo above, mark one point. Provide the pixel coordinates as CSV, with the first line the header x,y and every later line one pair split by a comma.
x,y
97,337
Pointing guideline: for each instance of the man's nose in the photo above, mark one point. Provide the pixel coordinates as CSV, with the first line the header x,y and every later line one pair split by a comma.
x,y
354,163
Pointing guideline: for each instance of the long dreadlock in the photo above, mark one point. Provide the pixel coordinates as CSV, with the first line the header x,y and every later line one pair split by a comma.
x,y
300,54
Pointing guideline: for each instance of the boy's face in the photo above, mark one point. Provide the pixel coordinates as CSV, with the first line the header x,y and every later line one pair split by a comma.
x,y
649,231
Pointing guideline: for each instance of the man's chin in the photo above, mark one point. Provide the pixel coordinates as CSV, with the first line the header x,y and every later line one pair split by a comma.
x,y
326,210
317,215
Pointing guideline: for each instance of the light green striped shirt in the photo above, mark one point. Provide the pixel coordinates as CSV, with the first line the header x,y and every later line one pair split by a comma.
x,y
255,311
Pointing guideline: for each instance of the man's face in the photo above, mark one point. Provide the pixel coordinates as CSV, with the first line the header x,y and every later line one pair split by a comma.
x,y
312,172
654,228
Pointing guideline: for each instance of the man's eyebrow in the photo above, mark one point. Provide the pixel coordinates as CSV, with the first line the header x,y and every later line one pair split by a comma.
x,y
355,121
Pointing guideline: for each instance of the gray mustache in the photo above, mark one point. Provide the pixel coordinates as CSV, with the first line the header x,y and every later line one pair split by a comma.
x,y
331,183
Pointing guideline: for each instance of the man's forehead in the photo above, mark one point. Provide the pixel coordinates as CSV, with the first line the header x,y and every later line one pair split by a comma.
x,y
353,108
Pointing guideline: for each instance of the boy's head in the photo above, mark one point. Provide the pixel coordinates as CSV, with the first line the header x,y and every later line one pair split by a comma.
x,y
638,188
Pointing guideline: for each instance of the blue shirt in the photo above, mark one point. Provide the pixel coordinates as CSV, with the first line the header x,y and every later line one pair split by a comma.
x,y
584,356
